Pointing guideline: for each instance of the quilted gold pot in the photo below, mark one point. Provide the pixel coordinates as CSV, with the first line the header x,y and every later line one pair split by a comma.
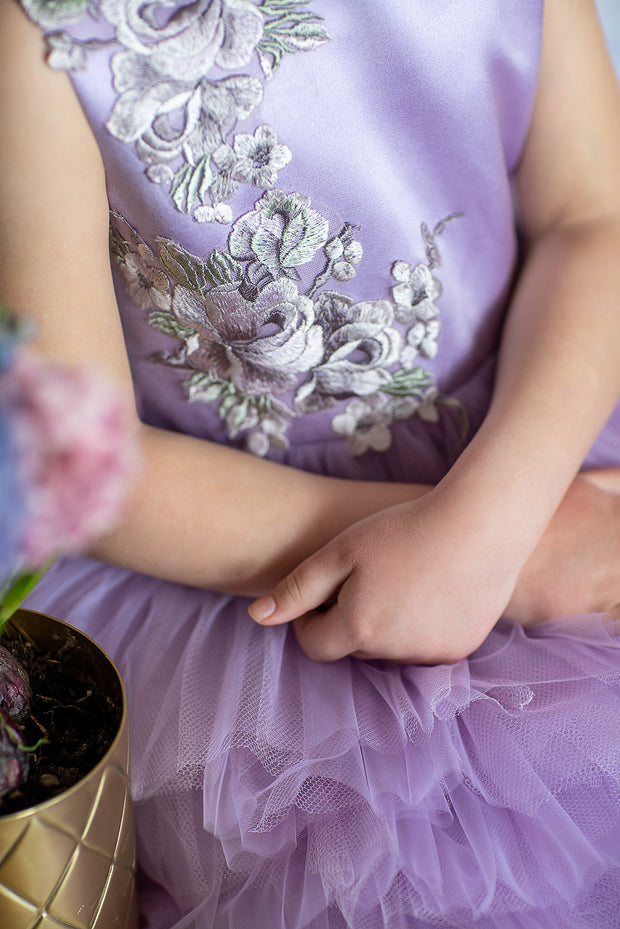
x,y
69,862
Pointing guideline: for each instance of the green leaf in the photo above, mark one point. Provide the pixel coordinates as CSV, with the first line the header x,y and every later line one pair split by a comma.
x,y
227,403
222,268
170,325
182,266
297,35
178,188
16,590
191,183
409,382
118,247
238,416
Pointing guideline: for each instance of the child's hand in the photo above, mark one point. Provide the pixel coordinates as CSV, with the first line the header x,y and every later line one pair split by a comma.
x,y
575,568
423,582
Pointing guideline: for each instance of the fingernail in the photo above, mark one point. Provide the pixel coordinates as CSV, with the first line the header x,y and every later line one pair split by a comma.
x,y
263,608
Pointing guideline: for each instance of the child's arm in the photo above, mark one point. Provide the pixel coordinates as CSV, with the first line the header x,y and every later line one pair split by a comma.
x,y
200,514
426,581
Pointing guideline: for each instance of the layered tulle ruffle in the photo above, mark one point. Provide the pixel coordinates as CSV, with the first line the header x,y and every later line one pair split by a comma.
x,y
361,794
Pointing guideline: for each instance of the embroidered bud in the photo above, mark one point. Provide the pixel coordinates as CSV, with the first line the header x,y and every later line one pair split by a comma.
x,y
160,174
334,248
353,252
343,271
222,213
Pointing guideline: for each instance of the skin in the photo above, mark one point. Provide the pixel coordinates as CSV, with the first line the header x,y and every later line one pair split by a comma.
x,y
425,581
421,574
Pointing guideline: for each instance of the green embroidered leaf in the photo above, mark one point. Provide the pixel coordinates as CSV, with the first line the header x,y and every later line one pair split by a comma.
x,y
237,416
178,188
270,55
221,268
204,387
182,266
170,325
408,382
228,402
297,33
191,183
277,6
118,247
287,29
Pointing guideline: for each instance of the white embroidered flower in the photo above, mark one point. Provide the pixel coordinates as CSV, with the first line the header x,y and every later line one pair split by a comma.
x,y
160,174
353,252
343,271
259,157
262,346
257,443
365,424
65,54
421,339
169,117
360,344
220,213
334,249
146,286
185,42
416,292
281,233
427,409
271,434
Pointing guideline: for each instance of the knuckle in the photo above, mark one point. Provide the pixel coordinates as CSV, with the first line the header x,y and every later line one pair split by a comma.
x,y
292,588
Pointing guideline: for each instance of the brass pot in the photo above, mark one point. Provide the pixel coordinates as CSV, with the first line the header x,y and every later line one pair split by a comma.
x,y
69,862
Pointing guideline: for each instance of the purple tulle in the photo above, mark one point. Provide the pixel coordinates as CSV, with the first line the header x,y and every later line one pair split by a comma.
x,y
362,793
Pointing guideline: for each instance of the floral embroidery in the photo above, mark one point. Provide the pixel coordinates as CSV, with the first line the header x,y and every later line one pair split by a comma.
x,y
182,122
264,336
262,347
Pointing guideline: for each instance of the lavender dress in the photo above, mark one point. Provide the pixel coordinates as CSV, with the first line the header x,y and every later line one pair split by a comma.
x,y
313,241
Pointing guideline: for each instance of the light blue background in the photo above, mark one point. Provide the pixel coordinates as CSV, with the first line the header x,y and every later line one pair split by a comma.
x,y
609,11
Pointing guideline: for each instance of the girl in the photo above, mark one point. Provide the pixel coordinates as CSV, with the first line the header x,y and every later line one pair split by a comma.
x,y
314,246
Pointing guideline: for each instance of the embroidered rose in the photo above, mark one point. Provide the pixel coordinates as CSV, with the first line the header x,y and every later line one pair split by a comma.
x,y
168,117
173,101
249,339
360,344
262,346
281,233
185,42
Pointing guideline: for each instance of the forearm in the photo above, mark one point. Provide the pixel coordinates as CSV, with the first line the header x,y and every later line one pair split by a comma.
x,y
214,517
558,380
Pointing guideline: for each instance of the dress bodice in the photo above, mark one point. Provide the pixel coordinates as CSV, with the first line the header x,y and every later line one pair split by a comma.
x,y
312,219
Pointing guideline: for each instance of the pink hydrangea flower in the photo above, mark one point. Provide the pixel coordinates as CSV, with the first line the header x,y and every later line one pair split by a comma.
x,y
74,456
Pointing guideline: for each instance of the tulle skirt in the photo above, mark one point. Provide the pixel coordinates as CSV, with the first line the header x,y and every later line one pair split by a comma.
x,y
273,792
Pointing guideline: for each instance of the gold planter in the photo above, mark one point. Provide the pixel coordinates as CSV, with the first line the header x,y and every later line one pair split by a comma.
x,y
69,862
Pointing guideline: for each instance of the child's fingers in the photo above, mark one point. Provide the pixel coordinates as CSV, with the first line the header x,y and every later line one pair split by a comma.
x,y
324,636
306,588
